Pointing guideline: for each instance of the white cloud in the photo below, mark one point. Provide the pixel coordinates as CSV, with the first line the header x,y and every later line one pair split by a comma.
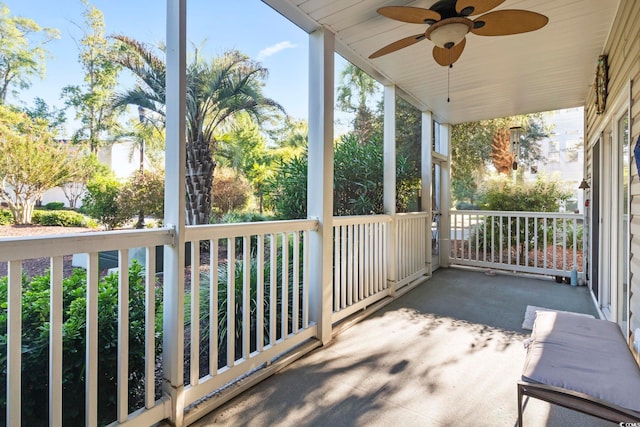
x,y
272,50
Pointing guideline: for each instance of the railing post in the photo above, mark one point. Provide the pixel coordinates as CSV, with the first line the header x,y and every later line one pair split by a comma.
x,y
320,179
392,250
173,304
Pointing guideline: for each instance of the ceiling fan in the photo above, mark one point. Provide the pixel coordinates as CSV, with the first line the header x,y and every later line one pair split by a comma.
x,y
448,24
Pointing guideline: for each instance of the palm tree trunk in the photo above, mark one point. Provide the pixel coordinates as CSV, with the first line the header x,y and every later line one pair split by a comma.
x,y
199,177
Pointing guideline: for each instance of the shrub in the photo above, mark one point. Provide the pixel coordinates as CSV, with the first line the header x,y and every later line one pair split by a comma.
x,y
54,206
6,217
504,195
578,231
229,192
102,202
61,219
358,182
234,217
35,345
144,191
286,191
539,196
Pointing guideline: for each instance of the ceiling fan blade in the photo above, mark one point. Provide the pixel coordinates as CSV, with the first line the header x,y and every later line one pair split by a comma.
x,y
446,57
413,15
397,45
476,7
506,22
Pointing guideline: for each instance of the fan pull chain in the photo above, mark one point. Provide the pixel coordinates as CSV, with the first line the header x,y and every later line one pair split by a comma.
x,y
449,77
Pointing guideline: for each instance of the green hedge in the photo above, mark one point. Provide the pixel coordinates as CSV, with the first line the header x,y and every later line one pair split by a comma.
x,y
35,345
54,206
61,219
6,217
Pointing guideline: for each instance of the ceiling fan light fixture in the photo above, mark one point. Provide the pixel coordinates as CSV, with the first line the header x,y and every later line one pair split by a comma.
x,y
449,32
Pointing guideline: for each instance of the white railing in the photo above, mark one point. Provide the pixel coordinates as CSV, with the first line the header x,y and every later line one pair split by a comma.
x,y
262,271
246,296
246,302
413,234
58,249
360,259
374,256
531,242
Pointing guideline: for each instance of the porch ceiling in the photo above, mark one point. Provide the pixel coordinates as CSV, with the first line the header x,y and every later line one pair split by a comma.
x,y
548,69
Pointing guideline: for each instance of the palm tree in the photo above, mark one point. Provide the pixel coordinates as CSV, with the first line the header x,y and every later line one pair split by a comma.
x,y
217,91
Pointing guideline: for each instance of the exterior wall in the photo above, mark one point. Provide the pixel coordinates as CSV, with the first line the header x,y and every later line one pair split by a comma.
x,y
117,156
623,50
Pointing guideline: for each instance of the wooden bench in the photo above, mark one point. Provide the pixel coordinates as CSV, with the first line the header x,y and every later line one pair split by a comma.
x,y
582,364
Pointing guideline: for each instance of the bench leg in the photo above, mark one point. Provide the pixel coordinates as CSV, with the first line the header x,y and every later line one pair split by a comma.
x,y
519,405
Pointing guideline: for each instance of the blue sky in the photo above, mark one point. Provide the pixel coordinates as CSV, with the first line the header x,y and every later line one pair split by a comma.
x,y
247,25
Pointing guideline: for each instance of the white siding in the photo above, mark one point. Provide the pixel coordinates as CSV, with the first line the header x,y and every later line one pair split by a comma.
x,y
623,50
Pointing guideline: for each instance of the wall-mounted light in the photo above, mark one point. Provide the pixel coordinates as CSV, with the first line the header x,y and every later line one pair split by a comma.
x,y
584,185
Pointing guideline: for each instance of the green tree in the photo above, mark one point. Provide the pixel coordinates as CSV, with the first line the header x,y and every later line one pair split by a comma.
x,y
31,162
245,151
54,116
22,51
217,91
353,94
92,100
147,141
534,131
470,155
291,138
409,131
471,150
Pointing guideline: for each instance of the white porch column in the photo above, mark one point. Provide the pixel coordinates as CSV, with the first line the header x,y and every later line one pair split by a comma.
x,y
389,198
445,192
320,178
389,182
174,209
426,185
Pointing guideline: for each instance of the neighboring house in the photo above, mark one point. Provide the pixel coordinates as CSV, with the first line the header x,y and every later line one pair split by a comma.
x,y
563,153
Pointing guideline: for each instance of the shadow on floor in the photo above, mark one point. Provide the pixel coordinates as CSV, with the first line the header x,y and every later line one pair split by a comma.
x,y
448,353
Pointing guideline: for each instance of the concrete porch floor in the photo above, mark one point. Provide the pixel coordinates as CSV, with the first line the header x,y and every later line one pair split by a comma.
x,y
448,353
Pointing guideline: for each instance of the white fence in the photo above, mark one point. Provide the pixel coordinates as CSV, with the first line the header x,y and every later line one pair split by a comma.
x,y
246,301
531,242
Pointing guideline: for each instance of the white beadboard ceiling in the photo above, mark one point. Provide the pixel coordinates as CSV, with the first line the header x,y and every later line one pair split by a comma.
x,y
543,70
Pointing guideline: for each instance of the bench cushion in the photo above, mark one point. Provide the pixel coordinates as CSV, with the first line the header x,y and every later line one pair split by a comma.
x,y
584,355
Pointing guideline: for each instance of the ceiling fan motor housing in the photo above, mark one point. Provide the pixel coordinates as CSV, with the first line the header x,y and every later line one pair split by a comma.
x,y
449,32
